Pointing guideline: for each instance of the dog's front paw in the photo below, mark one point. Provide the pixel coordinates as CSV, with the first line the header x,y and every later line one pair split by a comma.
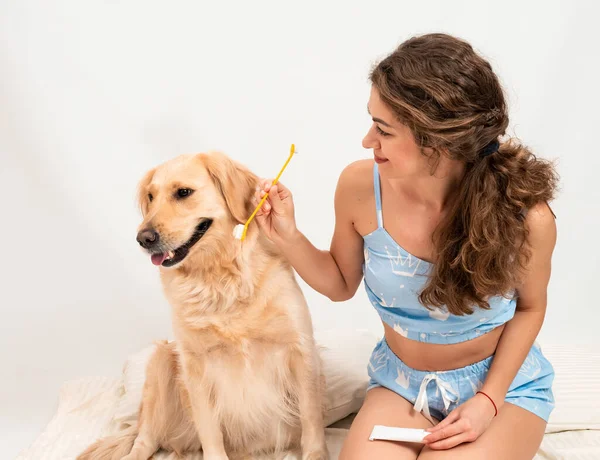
x,y
132,456
215,456
320,454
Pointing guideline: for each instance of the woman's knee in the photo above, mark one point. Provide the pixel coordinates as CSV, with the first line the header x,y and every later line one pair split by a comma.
x,y
382,407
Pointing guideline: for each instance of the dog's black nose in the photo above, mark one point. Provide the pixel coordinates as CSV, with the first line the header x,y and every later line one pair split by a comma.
x,y
147,238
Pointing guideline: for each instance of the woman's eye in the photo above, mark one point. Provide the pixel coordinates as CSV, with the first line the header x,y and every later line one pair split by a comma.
x,y
184,192
150,197
381,131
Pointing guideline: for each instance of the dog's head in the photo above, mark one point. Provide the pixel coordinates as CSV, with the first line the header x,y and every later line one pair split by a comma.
x,y
190,200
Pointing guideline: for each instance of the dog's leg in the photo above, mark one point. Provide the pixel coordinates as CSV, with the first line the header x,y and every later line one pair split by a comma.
x,y
143,447
209,429
186,456
206,422
306,367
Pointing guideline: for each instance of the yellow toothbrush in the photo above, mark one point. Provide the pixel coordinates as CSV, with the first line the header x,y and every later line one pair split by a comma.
x,y
239,232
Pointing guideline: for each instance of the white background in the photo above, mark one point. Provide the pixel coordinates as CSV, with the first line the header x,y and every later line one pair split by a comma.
x,y
94,93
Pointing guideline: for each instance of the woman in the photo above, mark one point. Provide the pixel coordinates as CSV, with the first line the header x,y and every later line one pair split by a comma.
x,y
451,230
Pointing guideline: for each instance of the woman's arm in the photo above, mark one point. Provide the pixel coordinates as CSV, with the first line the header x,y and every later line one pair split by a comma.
x,y
335,273
520,332
471,419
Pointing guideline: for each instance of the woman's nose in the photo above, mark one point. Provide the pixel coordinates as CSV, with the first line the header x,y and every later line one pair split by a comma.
x,y
370,140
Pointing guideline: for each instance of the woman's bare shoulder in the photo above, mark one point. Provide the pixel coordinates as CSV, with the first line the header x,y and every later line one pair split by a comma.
x,y
354,197
356,180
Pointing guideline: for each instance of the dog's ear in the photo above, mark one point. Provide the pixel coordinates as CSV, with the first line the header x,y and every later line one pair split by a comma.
x,y
142,191
235,182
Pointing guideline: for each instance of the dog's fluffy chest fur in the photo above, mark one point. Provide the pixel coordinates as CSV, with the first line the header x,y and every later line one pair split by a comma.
x,y
243,343
232,310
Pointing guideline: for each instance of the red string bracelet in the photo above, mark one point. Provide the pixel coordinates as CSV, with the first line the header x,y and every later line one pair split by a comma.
x,y
491,400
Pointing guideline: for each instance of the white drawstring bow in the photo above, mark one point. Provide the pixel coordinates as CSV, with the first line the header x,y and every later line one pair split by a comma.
x,y
449,395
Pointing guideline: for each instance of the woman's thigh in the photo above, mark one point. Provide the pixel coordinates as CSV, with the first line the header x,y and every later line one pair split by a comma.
x,y
515,434
382,407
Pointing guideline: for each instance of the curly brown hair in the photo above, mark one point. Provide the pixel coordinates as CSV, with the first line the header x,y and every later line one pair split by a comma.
x,y
452,101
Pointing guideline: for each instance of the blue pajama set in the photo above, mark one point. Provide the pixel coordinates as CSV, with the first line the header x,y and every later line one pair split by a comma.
x,y
393,279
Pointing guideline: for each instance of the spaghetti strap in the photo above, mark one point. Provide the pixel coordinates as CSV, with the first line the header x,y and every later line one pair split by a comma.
x,y
377,190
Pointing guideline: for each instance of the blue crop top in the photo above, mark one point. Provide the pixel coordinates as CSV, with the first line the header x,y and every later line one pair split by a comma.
x,y
394,278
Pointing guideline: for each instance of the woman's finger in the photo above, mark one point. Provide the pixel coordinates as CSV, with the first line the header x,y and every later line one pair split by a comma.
x,y
283,191
451,418
255,201
445,432
274,199
263,222
265,184
449,443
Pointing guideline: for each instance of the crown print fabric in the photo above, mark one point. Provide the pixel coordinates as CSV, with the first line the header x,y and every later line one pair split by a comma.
x,y
394,278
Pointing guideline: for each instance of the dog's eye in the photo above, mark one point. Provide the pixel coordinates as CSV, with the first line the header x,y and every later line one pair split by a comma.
x,y
184,192
150,197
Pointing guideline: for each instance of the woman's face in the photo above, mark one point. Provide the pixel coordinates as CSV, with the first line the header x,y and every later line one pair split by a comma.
x,y
393,144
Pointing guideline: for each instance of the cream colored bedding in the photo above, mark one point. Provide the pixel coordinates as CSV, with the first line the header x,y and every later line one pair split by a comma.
x,y
86,409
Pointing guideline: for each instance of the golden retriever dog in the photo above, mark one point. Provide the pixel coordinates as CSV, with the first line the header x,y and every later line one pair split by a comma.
x,y
243,376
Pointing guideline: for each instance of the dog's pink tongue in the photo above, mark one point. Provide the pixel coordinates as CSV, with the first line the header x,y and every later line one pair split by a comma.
x,y
158,259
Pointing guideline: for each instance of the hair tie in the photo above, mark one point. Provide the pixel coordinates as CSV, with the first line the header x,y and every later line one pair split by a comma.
x,y
490,149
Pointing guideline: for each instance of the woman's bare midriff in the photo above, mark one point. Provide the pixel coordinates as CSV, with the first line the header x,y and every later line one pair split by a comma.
x,y
442,357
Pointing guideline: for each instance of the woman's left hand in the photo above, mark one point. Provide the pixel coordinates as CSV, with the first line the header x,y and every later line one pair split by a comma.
x,y
464,424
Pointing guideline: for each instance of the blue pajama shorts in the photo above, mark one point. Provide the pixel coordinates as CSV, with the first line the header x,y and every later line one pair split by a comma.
x,y
436,394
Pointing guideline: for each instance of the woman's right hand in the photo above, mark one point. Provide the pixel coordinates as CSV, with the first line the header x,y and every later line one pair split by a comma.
x,y
276,216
